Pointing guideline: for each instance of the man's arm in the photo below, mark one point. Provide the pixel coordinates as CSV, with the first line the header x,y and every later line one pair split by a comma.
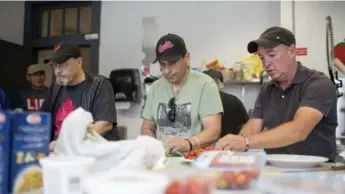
x,y
210,112
316,103
255,123
149,126
104,110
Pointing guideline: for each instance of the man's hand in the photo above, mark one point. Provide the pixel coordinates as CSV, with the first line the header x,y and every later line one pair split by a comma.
x,y
52,146
232,143
177,144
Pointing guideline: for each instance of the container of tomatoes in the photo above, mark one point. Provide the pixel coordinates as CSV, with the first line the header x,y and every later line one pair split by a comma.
x,y
190,181
194,154
236,170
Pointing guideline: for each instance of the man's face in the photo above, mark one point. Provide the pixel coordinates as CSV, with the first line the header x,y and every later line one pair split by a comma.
x,y
67,72
174,71
277,61
37,79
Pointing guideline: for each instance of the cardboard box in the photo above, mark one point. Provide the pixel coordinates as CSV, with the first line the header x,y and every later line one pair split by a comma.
x,y
26,140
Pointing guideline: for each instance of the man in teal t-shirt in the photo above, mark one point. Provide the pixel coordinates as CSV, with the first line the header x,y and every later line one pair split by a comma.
x,y
184,107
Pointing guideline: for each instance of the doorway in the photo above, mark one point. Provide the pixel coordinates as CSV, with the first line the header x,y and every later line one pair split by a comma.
x,y
48,23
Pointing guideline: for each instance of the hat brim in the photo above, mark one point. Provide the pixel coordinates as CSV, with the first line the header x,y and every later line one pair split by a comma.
x,y
170,59
58,59
254,45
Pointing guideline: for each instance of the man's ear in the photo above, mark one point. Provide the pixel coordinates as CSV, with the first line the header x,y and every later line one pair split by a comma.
x,y
80,62
186,58
292,51
27,77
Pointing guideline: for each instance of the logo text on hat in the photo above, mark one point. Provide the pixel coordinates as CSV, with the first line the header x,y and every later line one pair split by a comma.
x,y
56,48
165,46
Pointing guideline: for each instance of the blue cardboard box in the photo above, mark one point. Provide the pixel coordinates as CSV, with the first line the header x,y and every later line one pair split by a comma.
x,y
28,141
4,147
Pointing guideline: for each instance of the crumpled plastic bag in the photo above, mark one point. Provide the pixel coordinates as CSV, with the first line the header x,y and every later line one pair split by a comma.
x,y
143,153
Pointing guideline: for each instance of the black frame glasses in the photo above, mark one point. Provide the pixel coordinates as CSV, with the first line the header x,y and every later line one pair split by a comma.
x,y
172,112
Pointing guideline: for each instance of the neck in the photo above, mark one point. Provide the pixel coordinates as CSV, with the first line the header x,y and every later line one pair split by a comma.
x,y
289,76
178,86
80,78
38,87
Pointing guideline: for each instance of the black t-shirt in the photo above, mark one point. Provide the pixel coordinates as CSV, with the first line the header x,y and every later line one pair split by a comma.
x,y
71,97
31,99
235,114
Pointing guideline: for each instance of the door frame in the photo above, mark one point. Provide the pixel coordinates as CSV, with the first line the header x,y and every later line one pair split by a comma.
x,y
33,43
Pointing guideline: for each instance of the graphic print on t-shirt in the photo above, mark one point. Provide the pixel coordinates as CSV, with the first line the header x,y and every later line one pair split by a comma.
x,y
63,111
33,103
183,122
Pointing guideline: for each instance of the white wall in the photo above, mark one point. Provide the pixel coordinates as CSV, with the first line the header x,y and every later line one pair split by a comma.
x,y
12,21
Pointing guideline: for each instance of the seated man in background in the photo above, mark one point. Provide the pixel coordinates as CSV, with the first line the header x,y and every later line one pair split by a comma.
x,y
183,107
298,107
32,97
74,88
235,114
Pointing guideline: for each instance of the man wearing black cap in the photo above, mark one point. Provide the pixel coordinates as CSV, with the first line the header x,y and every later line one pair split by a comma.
x,y
183,108
297,109
75,88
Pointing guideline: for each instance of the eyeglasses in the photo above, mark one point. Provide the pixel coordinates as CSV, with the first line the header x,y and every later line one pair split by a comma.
x,y
172,112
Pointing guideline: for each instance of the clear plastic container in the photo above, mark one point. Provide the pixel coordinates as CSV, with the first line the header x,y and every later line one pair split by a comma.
x,y
236,170
190,181
304,183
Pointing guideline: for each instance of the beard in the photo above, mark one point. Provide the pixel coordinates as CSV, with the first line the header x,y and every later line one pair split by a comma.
x,y
61,81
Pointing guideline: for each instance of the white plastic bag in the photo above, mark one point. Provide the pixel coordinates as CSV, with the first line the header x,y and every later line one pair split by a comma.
x,y
143,153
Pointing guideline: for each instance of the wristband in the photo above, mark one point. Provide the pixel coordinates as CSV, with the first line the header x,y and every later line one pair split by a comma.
x,y
190,145
246,141
197,141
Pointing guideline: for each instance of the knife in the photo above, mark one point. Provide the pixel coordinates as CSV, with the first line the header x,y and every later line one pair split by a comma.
x,y
336,167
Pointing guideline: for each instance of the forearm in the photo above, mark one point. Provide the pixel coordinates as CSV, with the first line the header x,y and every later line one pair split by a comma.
x,y
148,128
148,131
283,135
252,127
102,127
205,138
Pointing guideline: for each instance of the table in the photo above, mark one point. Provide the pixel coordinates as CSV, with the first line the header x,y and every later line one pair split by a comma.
x,y
267,171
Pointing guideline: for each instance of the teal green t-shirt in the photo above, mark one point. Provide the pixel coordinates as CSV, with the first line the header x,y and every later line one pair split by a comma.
x,y
199,97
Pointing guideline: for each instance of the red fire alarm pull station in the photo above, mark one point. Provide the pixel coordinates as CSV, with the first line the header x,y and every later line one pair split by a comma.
x,y
301,51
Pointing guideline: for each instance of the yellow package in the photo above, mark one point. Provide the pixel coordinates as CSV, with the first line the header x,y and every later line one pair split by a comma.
x,y
251,67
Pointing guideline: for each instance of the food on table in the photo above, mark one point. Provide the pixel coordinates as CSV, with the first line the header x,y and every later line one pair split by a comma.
x,y
240,179
235,170
191,185
192,155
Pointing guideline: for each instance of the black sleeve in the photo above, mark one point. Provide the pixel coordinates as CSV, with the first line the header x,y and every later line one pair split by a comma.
x,y
257,112
103,108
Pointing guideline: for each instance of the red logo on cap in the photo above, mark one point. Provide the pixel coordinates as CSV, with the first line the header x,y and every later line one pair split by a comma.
x,y
165,46
56,48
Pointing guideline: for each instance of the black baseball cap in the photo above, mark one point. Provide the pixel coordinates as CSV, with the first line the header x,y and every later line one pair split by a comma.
x,y
64,51
271,38
170,47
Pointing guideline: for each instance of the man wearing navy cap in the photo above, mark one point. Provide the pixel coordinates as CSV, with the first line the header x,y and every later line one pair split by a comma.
x,y
295,112
75,88
183,108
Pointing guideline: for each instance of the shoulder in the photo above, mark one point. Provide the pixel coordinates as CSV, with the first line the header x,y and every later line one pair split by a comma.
x,y
318,80
200,77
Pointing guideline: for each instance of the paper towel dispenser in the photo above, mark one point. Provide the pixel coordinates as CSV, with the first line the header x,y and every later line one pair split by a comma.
x,y
126,84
